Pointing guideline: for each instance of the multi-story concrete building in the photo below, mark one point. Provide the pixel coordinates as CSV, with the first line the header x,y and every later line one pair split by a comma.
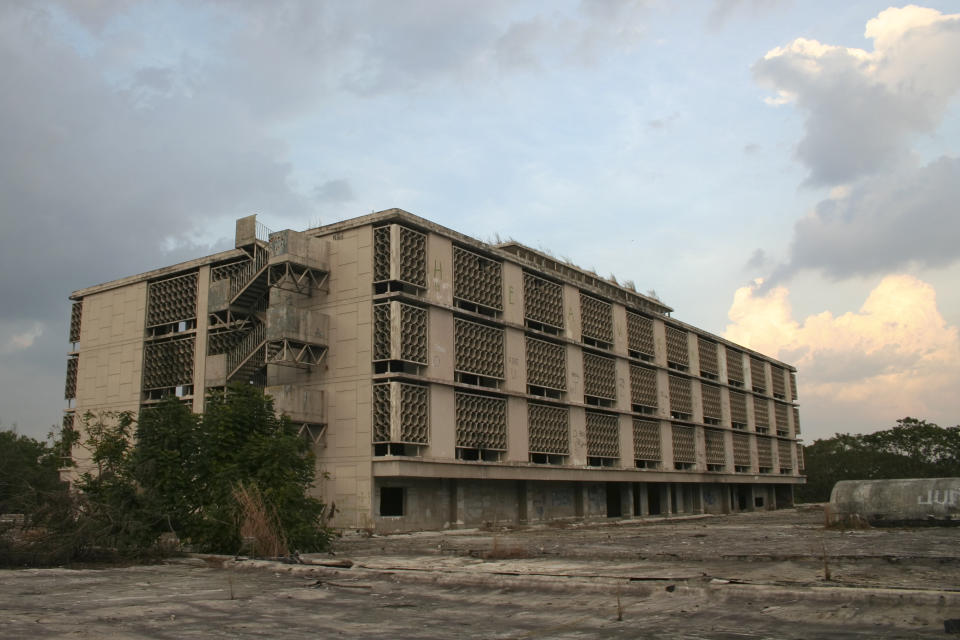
x,y
444,381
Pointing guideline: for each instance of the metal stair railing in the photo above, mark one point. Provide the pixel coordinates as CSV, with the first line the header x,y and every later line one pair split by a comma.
x,y
244,350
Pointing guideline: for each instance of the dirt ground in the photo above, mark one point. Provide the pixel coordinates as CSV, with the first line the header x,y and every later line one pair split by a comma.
x,y
758,575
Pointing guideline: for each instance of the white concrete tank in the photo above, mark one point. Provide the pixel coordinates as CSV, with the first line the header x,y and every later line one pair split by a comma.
x,y
908,501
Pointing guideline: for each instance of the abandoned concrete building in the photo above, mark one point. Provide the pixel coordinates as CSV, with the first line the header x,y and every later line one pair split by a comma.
x,y
444,381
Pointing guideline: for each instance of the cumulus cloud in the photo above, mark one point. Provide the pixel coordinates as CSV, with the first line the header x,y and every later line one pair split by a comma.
x,y
860,371
863,107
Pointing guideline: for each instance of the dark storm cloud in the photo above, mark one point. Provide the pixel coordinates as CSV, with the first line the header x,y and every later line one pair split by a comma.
x,y
884,223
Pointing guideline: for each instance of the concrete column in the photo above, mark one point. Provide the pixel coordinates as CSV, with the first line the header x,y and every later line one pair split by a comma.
x,y
660,343
440,358
622,368
518,437
200,341
619,329
512,293
693,354
571,310
516,361
666,498
699,448
626,499
439,269
626,442
578,436
443,426
574,373
666,444
643,501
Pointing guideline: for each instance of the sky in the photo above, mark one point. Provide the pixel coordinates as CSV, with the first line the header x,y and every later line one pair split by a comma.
x,y
784,174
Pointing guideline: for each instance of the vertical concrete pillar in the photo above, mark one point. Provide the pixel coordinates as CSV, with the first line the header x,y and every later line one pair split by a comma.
x,y
626,442
693,354
200,340
619,329
666,444
700,448
574,373
660,343
518,438
439,269
440,358
443,426
571,310
642,500
623,385
512,293
578,436
515,361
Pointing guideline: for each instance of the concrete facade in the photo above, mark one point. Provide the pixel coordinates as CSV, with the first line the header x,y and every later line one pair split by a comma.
x,y
447,382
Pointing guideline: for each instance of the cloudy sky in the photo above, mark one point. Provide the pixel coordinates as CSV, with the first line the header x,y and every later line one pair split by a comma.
x,y
785,174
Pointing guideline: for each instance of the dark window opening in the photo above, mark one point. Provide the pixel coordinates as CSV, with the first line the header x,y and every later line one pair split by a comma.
x,y
647,464
484,455
547,458
639,355
679,415
598,402
596,461
545,392
682,466
741,468
758,501
711,420
600,344
677,366
642,408
614,506
715,467
476,308
397,366
539,326
765,470
708,375
391,501
477,381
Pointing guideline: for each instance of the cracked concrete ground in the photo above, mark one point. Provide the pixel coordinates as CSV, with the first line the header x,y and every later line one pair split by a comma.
x,y
758,575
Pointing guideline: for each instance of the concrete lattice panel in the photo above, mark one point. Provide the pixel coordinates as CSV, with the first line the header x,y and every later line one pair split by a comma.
x,y
596,318
738,407
546,364
477,279
646,440
603,435
741,450
684,449
711,401
643,386
640,334
478,349
734,366
680,399
381,254
757,375
549,428
677,348
542,301
599,376
76,313
713,440
707,351
172,300
168,364
761,416
765,451
481,421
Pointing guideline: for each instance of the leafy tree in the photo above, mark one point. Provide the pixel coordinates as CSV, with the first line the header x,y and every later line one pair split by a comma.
x,y
29,471
181,472
912,449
